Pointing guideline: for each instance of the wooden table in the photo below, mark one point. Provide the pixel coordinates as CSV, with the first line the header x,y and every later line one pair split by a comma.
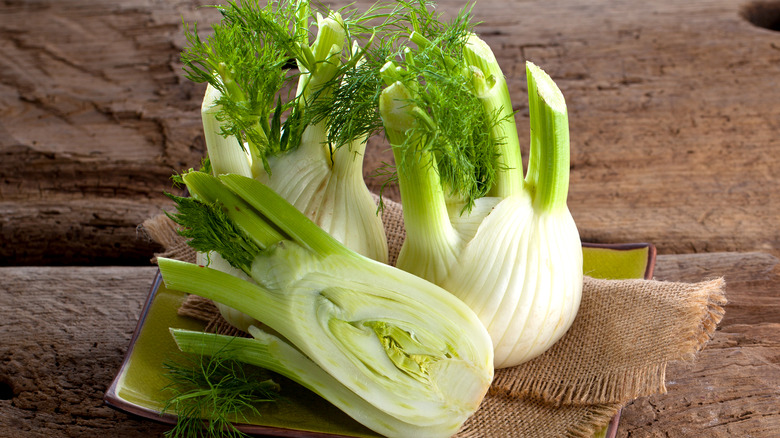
x,y
675,127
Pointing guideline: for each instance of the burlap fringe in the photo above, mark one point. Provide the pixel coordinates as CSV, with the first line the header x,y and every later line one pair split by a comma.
x,y
204,310
703,310
618,386
503,417
594,415
711,300
164,231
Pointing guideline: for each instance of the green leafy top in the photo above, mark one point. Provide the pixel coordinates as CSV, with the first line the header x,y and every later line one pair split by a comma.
x,y
247,59
256,54
419,49
209,228
452,124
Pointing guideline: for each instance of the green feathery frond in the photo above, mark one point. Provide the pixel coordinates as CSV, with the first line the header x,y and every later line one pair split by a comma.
x,y
211,392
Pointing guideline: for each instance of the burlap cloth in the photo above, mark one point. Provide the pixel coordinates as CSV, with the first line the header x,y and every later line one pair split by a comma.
x,y
624,335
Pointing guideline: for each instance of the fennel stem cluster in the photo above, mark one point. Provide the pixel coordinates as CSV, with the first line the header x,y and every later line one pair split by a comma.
x,y
504,244
290,243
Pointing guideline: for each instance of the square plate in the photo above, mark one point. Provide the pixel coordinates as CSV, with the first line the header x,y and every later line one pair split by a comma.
x,y
137,387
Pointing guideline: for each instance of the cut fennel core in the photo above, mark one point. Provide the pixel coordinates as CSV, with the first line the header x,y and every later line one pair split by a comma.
x,y
397,353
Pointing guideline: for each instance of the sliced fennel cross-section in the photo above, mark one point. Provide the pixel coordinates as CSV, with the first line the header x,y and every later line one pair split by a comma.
x,y
397,353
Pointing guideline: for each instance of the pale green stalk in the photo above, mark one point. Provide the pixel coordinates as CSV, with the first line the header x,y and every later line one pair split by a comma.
x,y
325,185
492,90
431,240
255,146
320,64
326,54
261,213
203,187
322,180
225,153
437,110
548,161
522,271
515,257
272,353
317,73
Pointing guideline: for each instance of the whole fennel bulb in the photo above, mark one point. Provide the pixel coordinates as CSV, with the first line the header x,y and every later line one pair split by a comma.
x,y
511,251
245,134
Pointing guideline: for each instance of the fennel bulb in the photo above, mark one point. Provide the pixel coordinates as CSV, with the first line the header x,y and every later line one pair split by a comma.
x,y
507,246
246,72
322,180
399,354
246,67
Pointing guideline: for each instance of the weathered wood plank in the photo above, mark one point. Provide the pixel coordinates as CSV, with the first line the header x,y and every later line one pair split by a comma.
x,y
672,107
710,397
64,333
730,391
95,119
754,277
76,231
670,117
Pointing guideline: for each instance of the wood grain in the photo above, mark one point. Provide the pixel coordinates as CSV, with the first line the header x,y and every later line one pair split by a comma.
x,y
64,333
733,387
752,274
94,119
672,109
730,391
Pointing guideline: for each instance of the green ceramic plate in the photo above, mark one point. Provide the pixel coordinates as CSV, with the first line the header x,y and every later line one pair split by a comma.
x,y
137,387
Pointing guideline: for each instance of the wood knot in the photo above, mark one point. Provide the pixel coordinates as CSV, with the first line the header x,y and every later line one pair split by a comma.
x,y
764,14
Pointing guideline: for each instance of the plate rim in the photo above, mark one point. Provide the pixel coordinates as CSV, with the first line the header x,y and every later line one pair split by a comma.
x,y
652,253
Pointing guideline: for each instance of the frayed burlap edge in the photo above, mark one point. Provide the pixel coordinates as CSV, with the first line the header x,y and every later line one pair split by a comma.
x,y
506,417
594,418
704,308
164,231
712,301
619,386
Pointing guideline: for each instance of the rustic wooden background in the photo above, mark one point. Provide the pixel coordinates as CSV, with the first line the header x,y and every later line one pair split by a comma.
x,y
675,125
